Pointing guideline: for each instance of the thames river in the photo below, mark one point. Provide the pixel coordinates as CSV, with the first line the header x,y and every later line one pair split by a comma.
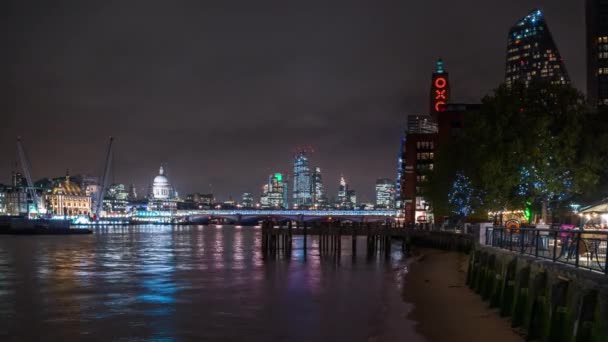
x,y
195,283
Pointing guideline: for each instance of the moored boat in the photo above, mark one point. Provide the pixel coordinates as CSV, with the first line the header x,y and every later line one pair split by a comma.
x,y
18,225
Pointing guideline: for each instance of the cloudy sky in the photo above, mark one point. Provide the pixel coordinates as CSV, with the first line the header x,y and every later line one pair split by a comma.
x,y
223,92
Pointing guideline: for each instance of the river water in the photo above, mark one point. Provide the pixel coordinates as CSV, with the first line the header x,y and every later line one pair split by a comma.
x,y
194,283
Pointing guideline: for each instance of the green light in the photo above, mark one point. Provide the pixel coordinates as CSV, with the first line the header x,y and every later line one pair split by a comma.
x,y
528,212
278,176
439,66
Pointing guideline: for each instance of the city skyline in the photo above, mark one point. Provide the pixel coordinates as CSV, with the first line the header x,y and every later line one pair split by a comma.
x,y
58,113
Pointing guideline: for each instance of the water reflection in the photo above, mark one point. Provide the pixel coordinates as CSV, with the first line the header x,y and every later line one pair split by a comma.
x,y
196,283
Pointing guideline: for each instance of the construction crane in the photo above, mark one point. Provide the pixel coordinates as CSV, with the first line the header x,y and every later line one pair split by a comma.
x,y
25,165
104,180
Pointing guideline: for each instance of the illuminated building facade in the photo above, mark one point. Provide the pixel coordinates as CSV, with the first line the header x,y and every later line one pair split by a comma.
x,y
319,197
116,199
302,182
351,198
532,54
17,199
2,200
275,193
385,193
247,200
347,198
342,188
597,52
68,199
199,201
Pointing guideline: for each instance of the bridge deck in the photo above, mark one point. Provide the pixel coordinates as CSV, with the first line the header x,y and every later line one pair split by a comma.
x,y
344,231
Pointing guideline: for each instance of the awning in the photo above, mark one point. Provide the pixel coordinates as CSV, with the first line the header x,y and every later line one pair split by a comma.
x,y
598,207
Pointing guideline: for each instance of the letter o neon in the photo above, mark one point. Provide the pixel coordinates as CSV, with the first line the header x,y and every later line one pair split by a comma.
x,y
440,82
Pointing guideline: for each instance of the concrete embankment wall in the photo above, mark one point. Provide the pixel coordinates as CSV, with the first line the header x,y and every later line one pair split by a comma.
x,y
548,301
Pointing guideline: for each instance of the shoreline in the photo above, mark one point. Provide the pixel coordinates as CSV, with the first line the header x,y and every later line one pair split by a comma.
x,y
445,309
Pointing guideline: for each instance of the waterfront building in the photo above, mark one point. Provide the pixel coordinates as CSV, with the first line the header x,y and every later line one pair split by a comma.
x,y
162,195
247,200
200,201
67,198
532,53
597,52
319,197
275,193
385,193
18,200
2,200
89,184
302,181
417,150
116,199
400,169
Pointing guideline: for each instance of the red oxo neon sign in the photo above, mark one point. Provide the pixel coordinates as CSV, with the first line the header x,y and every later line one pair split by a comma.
x,y
440,93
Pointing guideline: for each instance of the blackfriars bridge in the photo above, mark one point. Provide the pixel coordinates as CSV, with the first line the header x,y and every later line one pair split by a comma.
x,y
254,215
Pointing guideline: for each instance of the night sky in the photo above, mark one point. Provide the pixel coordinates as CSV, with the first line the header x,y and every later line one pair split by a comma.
x,y
223,92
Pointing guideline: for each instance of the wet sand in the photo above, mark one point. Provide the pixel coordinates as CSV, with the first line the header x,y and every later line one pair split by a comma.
x,y
444,307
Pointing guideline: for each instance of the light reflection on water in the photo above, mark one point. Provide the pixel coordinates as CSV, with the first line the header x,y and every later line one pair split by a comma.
x,y
195,283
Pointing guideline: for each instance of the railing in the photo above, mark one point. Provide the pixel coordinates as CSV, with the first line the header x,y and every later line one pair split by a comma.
x,y
579,248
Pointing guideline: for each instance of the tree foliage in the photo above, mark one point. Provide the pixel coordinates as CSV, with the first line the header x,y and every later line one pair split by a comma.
x,y
537,144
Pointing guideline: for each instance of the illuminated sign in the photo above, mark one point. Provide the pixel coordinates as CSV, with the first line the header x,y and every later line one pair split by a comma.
x,y
440,93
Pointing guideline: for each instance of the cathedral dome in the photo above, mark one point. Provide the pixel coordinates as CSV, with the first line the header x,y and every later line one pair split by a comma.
x,y
161,179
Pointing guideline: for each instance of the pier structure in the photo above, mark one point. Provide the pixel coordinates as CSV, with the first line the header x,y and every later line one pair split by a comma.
x,y
278,239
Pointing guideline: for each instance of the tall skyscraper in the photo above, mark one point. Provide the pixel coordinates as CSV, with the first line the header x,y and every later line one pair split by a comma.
x,y
532,54
385,193
247,200
342,189
597,52
319,199
275,193
302,181
347,198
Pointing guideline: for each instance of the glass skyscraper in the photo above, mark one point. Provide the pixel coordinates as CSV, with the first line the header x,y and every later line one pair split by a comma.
x,y
302,181
597,52
532,53
274,194
319,198
385,193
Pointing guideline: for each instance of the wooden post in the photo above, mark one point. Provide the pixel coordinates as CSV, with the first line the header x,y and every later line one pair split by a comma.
x,y
339,239
354,239
289,238
305,242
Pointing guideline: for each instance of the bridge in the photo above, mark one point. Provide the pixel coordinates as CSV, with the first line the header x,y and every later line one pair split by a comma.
x,y
254,215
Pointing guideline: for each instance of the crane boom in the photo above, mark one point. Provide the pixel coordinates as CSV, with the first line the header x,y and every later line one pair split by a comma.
x,y
25,165
104,181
